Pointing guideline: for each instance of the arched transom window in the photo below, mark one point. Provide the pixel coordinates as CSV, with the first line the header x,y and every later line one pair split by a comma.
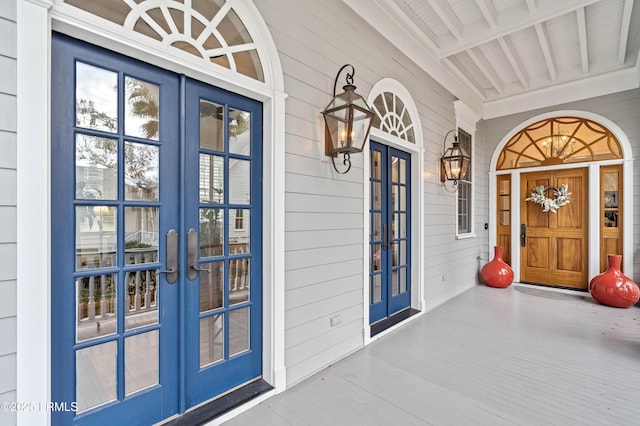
x,y
393,117
559,140
208,29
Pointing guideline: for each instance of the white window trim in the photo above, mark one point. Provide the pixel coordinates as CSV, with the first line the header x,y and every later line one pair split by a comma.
x,y
35,20
466,120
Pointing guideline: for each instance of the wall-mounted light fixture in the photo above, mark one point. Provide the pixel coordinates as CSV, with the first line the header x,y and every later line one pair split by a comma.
x,y
347,121
454,162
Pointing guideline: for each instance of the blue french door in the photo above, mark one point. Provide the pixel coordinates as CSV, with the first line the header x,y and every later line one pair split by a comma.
x,y
156,239
390,237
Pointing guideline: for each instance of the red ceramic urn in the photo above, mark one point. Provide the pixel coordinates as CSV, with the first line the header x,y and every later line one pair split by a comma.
x,y
612,287
497,273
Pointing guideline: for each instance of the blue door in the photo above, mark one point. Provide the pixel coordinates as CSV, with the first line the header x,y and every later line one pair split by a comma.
x,y
390,237
156,239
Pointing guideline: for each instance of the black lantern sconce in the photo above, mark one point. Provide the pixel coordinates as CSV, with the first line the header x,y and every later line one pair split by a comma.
x,y
347,121
454,163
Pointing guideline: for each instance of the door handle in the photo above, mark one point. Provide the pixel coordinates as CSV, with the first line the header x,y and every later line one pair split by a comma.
x,y
192,255
172,257
523,235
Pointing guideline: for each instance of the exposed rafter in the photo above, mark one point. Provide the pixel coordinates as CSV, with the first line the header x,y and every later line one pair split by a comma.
x,y
505,55
543,39
448,17
402,14
485,67
512,20
489,12
582,38
514,59
624,31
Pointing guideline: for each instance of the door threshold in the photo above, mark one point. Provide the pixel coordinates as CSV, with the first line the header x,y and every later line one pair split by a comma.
x,y
384,324
219,406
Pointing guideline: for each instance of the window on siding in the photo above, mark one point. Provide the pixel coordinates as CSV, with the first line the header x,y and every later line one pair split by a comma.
x,y
239,219
465,188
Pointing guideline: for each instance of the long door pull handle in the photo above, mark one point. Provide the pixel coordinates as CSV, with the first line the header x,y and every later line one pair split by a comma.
x,y
172,257
192,255
523,235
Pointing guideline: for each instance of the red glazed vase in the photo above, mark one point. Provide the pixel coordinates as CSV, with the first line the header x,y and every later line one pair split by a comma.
x,y
497,273
612,287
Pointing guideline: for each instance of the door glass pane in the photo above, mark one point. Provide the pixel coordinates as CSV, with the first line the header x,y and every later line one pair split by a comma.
x,y
239,280
403,225
403,198
376,194
96,98
141,171
211,179
403,280
141,299
140,361
395,197
141,109
239,234
95,237
239,179
211,339
211,126
377,288
211,291
394,169
239,132
376,227
96,168
238,331
141,235
376,253
403,252
95,375
394,282
95,306
211,232
376,166
394,226
610,181
403,171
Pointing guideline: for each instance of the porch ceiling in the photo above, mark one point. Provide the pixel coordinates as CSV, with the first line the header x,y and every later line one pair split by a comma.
x,y
497,55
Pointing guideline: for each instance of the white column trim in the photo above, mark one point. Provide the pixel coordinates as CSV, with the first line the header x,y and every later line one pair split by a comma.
x,y
33,372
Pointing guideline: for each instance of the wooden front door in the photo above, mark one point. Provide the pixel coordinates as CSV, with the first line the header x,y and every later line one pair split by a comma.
x,y
554,246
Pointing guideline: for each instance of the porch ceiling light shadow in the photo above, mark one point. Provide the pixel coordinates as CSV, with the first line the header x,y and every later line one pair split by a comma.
x,y
454,163
347,121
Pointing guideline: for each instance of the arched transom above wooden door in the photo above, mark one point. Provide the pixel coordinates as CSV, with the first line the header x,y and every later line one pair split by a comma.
x,y
559,140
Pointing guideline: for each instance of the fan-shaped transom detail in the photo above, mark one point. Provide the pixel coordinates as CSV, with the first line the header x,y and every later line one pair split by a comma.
x,y
393,117
208,29
559,140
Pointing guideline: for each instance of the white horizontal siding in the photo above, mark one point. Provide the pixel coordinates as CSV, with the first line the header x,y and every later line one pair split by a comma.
x,y
8,123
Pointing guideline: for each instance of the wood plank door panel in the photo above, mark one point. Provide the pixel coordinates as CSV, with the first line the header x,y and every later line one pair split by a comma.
x,y
556,247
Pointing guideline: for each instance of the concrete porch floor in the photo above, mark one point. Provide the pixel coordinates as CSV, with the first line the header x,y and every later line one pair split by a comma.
x,y
522,355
